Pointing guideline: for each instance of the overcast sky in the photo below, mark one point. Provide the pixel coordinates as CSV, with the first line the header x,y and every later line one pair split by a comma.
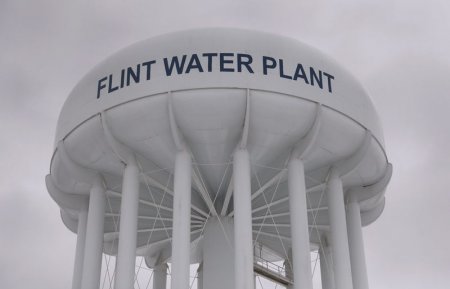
x,y
398,49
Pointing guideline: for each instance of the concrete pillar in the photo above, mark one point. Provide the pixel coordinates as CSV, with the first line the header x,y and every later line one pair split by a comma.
x,y
243,253
160,276
181,221
126,255
79,251
301,260
92,261
326,267
356,244
338,233
218,254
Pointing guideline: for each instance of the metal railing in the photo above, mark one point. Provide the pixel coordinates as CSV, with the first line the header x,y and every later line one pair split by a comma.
x,y
270,266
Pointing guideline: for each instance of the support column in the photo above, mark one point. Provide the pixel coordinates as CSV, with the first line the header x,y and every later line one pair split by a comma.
x,y
200,276
243,253
356,244
92,261
338,234
126,255
326,267
218,255
181,238
79,253
160,276
301,256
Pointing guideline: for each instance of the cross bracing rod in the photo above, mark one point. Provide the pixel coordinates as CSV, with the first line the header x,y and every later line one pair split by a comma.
x,y
181,145
269,216
271,225
119,195
162,241
269,183
198,181
113,235
226,201
317,187
320,227
280,201
200,211
163,228
141,217
321,208
114,215
154,183
273,182
198,217
123,153
284,238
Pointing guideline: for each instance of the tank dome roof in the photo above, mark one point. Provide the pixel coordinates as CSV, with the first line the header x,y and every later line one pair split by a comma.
x,y
217,58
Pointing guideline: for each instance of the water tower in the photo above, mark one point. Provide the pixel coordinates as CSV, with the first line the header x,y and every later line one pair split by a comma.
x,y
224,147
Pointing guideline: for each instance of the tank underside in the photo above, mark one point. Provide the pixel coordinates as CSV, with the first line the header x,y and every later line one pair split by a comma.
x,y
212,122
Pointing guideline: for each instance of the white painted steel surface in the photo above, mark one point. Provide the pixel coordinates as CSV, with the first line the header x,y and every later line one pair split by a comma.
x,y
243,245
338,233
301,257
126,256
217,270
181,221
348,96
92,261
236,111
356,245
79,250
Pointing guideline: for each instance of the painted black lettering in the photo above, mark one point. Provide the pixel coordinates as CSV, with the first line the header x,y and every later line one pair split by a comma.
x,y
224,61
329,78
174,64
244,60
148,65
314,78
194,63
209,56
136,75
282,75
110,87
267,65
122,78
100,86
300,73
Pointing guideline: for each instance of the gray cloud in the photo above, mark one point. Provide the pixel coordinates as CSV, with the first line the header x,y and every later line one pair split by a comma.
x,y
398,49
